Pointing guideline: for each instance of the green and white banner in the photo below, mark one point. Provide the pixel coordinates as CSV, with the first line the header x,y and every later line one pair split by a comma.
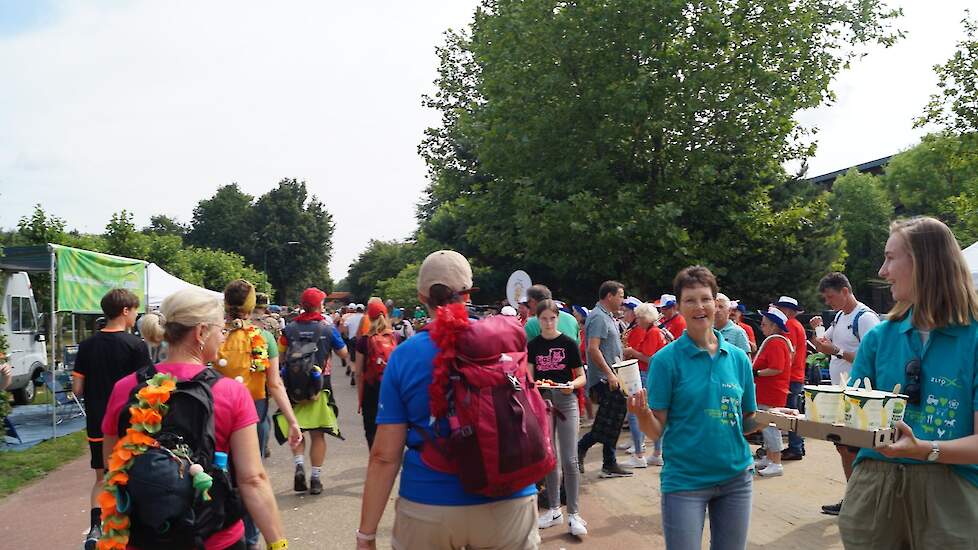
x,y
84,277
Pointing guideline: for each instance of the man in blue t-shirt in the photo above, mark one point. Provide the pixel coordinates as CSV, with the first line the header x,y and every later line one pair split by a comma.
x,y
433,511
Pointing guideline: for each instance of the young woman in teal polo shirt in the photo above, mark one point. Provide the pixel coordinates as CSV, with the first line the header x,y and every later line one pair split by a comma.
x,y
701,389
922,491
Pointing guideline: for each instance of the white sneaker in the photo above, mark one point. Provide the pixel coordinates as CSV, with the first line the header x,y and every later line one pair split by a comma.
x,y
575,525
772,470
635,462
550,518
653,460
761,463
625,445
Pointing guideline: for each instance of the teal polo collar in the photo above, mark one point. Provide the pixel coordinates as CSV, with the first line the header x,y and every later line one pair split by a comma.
x,y
687,346
905,325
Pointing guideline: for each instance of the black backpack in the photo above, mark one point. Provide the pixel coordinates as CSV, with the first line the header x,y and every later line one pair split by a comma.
x,y
302,367
159,497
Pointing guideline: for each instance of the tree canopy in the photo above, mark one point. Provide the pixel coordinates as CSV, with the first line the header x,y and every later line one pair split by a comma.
x,y
626,139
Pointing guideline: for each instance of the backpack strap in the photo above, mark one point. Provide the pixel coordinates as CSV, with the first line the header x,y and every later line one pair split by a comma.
x,y
855,323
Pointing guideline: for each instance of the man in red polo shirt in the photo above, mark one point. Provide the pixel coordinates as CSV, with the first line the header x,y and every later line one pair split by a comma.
x,y
796,388
737,311
671,319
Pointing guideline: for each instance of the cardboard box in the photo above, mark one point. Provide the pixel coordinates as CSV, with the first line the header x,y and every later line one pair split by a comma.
x,y
784,422
866,439
828,432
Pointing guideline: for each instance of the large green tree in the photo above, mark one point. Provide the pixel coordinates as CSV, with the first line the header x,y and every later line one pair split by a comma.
x,y
625,139
291,233
860,206
381,260
223,221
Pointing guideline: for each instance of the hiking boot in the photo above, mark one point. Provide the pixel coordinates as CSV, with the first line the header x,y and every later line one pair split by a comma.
x,y
614,471
575,525
550,518
91,540
833,509
580,459
300,479
791,455
315,486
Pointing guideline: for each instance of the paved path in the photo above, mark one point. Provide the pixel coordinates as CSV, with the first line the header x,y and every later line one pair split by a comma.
x,y
621,513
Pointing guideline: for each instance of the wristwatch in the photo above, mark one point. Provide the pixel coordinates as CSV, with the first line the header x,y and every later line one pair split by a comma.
x,y
839,354
935,452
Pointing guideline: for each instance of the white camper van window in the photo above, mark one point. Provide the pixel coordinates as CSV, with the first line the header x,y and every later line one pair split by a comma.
x,y
21,314
15,306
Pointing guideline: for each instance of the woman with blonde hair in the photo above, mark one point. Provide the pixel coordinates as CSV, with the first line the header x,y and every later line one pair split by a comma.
x,y
192,323
250,354
374,347
922,491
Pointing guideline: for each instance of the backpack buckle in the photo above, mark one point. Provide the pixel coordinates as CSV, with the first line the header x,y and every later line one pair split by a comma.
x,y
515,382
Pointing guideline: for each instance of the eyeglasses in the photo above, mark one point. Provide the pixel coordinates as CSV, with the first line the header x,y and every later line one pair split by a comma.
x,y
912,370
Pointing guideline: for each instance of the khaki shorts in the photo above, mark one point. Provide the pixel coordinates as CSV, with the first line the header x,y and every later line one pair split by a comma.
x,y
504,525
912,506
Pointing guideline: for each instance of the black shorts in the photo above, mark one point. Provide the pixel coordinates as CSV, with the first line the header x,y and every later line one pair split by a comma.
x,y
95,447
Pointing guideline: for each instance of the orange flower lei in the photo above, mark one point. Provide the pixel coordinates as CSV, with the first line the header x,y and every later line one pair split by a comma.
x,y
259,351
145,419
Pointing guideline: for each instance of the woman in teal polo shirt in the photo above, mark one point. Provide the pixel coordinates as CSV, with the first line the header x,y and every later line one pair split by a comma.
x,y
701,388
922,491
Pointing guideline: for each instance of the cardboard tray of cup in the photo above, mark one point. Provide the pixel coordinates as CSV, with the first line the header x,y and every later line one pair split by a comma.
x,y
835,433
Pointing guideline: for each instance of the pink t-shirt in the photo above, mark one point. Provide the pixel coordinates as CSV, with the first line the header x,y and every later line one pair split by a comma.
x,y
233,409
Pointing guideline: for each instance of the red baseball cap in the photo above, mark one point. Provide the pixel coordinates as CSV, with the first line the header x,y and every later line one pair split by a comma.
x,y
312,297
376,308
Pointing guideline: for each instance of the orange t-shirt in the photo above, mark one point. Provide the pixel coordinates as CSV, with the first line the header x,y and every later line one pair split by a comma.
x,y
750,332
796,333
675,325
646,342
773,390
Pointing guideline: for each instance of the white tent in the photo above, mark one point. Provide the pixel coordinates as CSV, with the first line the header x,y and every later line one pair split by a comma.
x,y
160,284
971,256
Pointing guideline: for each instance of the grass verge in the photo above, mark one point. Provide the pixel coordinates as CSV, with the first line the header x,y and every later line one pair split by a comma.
x,y
20,468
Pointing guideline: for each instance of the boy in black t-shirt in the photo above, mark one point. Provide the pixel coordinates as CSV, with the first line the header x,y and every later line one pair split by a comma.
x,y
103,359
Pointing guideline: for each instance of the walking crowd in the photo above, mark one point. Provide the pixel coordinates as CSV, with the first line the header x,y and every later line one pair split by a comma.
x,y
481,415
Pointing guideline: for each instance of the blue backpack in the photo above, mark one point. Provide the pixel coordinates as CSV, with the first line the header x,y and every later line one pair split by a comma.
x,y
855,321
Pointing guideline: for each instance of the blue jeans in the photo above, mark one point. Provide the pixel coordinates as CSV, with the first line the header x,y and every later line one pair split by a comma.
x,y
796,400
684,512
638,438
261,407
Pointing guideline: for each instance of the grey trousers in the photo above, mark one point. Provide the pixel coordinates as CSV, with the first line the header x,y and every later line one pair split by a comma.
x,y
564,437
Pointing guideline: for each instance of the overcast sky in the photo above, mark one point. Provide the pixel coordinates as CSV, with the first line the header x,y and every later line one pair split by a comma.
x,y
151,106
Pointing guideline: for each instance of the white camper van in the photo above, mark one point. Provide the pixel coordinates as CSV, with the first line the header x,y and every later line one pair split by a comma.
x,y
27,353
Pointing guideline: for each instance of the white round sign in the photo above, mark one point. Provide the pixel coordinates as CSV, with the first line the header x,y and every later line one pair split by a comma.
x,y
516,287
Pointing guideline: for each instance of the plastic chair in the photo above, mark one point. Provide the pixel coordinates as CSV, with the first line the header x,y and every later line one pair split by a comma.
x,y
63,397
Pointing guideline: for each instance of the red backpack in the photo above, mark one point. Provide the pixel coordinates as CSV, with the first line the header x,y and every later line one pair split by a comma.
x,y
500,429
379,348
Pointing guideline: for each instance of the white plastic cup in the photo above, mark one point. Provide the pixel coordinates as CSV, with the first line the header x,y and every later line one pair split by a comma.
x,y
629,376
820,331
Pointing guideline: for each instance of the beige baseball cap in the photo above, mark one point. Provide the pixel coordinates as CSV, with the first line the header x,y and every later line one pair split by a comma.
x,y
445,267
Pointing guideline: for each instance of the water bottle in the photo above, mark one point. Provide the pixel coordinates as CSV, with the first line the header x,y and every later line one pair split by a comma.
x,y
317,373
221,460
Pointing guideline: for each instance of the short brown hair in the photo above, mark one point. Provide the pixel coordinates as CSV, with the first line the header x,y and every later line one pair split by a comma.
x,y
609,287
116,300
694,275
836,281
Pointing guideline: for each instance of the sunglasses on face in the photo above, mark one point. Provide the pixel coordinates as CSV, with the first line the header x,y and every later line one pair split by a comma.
x,y
912,371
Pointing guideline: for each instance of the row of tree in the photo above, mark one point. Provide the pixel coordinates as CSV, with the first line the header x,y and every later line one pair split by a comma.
x,y
629,138
281,242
